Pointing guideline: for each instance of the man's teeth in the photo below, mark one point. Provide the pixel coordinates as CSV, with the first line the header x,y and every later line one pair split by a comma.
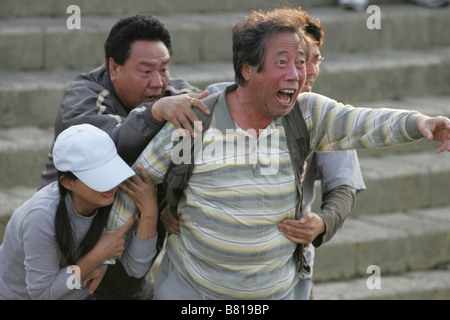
x,y
288,91
285,96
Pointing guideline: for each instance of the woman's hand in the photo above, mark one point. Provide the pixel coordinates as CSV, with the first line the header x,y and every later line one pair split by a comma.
x,y
93,280
112,243
143,191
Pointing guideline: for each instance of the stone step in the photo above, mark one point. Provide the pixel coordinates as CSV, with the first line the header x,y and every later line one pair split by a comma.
x,y
385,74
400,178
418,285
30,8
400,182
23,153
46,42
404,182
33,97
349,31
394,243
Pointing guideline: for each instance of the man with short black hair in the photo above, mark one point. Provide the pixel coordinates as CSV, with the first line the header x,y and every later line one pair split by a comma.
x,y
130,97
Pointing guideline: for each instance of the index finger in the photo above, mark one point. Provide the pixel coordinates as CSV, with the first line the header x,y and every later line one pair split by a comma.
x,y
445,146
291,222
144,174
94,285
197,103
124,229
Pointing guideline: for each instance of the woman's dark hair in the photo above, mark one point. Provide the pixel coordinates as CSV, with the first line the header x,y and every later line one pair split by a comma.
x,y
63,229
130,29
251,35
314,29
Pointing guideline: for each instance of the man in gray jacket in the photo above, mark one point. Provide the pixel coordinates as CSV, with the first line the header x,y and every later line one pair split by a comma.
x,y
130,97
132,94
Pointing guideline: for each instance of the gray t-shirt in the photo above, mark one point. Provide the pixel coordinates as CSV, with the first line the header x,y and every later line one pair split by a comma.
x,y
31,263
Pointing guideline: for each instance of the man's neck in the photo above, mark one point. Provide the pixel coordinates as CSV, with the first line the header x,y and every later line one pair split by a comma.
x,y
244,112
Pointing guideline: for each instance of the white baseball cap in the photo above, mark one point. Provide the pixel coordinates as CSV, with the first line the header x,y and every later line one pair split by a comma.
x,y
91,155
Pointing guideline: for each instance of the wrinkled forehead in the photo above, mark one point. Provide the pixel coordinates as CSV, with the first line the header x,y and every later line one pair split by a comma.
x,y
286,42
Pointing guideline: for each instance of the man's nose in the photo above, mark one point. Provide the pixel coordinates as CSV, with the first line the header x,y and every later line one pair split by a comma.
x,y
155,80
293,73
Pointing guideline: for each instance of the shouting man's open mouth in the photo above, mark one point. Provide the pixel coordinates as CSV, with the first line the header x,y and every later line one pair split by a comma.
x,y
285,96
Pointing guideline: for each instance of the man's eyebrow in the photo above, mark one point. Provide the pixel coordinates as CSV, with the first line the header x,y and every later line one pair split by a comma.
x,y
281,52
148,64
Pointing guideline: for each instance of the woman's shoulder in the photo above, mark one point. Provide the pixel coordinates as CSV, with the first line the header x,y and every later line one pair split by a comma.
x,y
40,208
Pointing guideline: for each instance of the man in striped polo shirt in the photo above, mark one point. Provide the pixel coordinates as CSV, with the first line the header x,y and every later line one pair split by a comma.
x,y
229,245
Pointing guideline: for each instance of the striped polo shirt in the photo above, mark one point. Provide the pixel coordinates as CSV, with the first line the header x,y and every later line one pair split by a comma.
x,y
242,187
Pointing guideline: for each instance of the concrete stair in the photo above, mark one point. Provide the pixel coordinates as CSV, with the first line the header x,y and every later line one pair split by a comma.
x,y
400,224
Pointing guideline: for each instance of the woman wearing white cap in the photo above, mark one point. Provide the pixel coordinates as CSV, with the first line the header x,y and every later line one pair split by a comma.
x,y
54,242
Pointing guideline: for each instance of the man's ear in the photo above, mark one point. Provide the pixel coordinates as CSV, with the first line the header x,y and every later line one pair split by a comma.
x,y
114,68
247,72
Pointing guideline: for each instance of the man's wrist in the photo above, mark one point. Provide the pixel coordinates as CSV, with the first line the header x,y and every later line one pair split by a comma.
x,y
150,118
154,112
412,126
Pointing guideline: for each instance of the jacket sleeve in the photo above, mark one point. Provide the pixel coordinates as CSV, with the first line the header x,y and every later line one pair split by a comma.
x,y
336,169
336,206
88,102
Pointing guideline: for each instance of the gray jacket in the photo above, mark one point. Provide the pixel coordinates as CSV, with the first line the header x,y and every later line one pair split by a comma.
x,y
91,98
